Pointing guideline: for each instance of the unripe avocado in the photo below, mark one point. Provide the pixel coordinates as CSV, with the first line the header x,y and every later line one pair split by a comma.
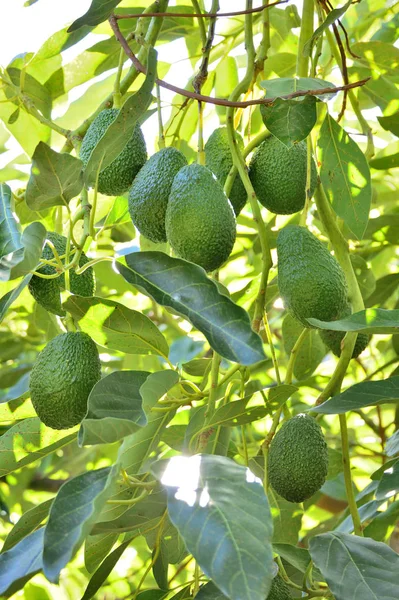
x,y
200,221
62,378
298,459
311,281
118,176
219,160
148,196
279,590
278,175
333,339
47,291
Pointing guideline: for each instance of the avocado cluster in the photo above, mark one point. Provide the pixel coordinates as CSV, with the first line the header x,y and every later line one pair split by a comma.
x,y
62,378
47,291
298,459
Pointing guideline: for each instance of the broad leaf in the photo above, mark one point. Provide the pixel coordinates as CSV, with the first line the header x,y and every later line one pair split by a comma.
x,y
332,16
311,352
392,445
101,574
345,176
355,567
279,395
32,240
236,413
390,123
28,522
283,86
117,327
287,519
28,441
367,393
114,408
208,500
389,483
55,178
97,547
21,561
371,320
98,12
209,591
73,513
11,248
387,161
297,557
119,132
290,120
185,288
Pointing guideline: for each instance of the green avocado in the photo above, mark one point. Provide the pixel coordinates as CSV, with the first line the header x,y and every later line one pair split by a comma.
x,y
218,159
311,281
47,291
298,459
200,221
62,378
279,590
278,175
148,196
332,339
118,176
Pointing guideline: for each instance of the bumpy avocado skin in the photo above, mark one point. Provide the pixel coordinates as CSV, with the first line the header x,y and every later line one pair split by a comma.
x,y
200,221
148,196
218,159
47,291
278,175
279,590
311,281
62,378
117,177
332,339
298,459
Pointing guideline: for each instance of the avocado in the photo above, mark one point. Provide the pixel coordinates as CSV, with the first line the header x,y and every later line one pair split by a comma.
x,y
219,160
62,378
200,221
333,339
311,281
298,459
47,291
279,590
148,196
278,176
118,176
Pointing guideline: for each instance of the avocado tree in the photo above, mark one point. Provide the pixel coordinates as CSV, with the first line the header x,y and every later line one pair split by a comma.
x,y
200,303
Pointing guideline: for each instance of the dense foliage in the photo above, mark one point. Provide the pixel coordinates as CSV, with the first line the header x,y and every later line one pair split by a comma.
x,y
226,335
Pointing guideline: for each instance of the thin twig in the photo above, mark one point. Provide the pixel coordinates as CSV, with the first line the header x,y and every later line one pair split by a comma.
x,y
203,15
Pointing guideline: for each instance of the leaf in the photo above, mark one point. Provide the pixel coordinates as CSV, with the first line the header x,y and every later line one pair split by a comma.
x,y
114,408
55,178
117,327
311,352
28,441
287,519
390,123
389,161
185,288
356,567
32,240
36,92
392,445
24,559
74,511
160,566
98,12
288,85
209,494
332,16
119,132
104,570
27,523
367,393
11,250
297,557
389,483
290,120
97,547
345,176
279,395
236,413
385,287
209,591
371,320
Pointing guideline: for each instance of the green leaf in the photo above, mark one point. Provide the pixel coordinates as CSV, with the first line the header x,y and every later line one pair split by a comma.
x,y
209,591
390,123
392,445
385,162
311,352
371,320
208,494
380,57
28,522
72,515
366,393
32,240
55,178
332,16
36,92
345,176
98,12
382,522
297,557
160,566
364,275
389,483
279,395
185,288
21,561
104,570
114,408
28,441
356,567
97,547
290,120
117,327
119,132
11,249
288,85
287,519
